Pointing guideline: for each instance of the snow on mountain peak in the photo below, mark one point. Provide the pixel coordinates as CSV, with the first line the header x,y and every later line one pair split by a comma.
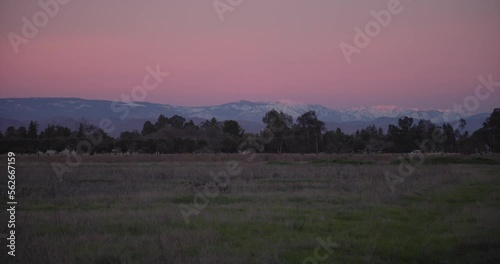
x,y
384,107
288,102
242,110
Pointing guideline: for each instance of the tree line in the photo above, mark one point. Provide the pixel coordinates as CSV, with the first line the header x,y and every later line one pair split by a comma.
x,y
282,134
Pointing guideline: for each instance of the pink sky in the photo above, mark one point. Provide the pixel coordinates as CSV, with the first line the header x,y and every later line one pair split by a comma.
x,y
429,56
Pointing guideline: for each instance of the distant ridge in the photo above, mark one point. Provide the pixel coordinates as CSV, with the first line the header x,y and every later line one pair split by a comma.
x,y
20,110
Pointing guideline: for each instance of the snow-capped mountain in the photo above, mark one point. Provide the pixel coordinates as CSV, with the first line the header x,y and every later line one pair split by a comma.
x,y
373,112
250,113
255,111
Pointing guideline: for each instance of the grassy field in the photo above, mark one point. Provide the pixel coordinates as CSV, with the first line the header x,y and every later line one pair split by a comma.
x,y
274,209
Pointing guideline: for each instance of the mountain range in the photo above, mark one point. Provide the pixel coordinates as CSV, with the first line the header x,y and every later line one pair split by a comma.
x,y
130,116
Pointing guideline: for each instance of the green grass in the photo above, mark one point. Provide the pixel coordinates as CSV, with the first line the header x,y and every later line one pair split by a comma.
x,y
342,162
279,162
95,181
323,162
183,199
429,160
450,160
273,214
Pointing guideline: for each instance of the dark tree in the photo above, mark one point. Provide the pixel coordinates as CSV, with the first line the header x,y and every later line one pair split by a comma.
x,y
462,123
190,124
22,132
232,128
148,128
33,130
212,123
11,132
177,121
162,122
450,142
310,128
491,132
280,125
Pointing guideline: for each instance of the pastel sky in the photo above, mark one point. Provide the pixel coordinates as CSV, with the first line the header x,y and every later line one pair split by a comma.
x,y
429,56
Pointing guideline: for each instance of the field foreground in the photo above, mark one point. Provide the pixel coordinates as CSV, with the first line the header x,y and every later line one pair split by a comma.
x,y
272,209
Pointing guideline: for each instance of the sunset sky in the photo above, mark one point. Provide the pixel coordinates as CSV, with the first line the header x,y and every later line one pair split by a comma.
x,y
429,56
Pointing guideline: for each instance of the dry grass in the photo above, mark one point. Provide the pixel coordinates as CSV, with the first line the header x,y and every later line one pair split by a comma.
x,y
125,210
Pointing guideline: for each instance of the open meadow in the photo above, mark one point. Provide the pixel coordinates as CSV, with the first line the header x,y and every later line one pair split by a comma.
x,y
270,209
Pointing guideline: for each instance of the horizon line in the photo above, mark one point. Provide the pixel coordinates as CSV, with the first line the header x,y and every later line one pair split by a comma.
x,y
250,101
